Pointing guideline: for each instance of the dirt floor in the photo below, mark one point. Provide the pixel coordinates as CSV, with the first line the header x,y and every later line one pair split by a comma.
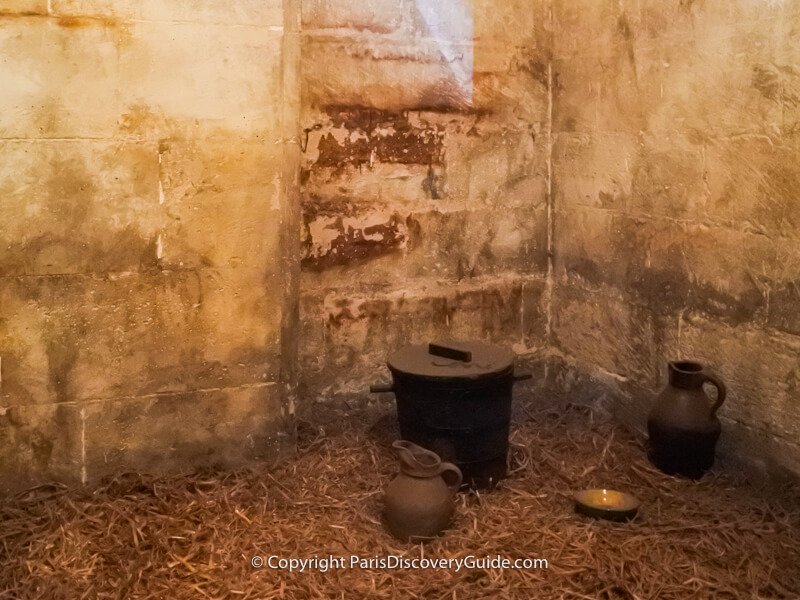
x,y
195,537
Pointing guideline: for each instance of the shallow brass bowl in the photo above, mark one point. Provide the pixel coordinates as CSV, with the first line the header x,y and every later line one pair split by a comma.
x,y
606,504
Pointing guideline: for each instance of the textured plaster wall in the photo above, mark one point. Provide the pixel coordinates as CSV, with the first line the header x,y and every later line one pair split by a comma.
x,y
602,186
146,191
424,180
677,205
619,187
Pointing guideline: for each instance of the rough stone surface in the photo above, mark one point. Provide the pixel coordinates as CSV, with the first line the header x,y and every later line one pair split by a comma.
x,y
761,369
40,443
146,172
241,12
603,330
676,186
88,206
59,77
221,428
24,7
425,173
234,83
353,332
601,185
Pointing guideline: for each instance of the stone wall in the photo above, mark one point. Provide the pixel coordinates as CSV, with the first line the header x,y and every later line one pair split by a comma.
x,y
616,187
146,252
677,205
602,186
425,181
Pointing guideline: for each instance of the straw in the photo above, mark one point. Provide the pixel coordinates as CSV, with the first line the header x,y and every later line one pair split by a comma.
x,y
139,536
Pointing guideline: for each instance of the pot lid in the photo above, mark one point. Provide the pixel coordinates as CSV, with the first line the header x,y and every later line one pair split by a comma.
x,y
471,359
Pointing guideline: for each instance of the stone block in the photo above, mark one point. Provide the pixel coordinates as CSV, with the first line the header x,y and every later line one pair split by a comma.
x,y
222,204
354,332
593,170
377,16
171,87
60,78
382,186
754,182
342,240
627,78
514,22
239,12
39,444
730,272
383,75
78,207
24,7
669,266
341,136
67,338
637,175
602,330
759,368
765,457
668,182
682,90
422,75
585,27
642,258
784,306
384,247
517,22
597,94
480,243
412,162
178,433
657,19
497,169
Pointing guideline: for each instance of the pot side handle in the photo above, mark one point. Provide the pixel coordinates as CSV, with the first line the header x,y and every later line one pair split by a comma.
x,y
722,391
380,388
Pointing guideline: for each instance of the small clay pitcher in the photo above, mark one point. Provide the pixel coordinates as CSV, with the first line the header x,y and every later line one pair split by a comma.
x,y
683,426
418,502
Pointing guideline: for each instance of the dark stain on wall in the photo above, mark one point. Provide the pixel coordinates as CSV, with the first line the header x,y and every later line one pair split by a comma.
x,y
784,307
77,239
4,13
766,80
433,184
538,70
663,289
80,22
378,136
355,244
62,355
777,82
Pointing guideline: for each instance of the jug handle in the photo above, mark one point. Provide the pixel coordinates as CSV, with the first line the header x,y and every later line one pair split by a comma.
x,y
448,468
722,391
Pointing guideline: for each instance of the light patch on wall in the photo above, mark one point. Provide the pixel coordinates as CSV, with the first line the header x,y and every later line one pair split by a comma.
x,y
450,25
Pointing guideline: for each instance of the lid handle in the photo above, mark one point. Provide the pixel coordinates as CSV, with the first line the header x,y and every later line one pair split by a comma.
x,y
449,352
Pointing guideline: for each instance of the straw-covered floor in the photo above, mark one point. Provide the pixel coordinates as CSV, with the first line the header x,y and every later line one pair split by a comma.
x,y
194,537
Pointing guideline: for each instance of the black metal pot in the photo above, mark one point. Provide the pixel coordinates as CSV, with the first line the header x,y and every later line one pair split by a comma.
x,y
455,399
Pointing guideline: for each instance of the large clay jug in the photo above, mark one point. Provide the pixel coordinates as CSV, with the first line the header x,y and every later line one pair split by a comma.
x,y
418,502
683,426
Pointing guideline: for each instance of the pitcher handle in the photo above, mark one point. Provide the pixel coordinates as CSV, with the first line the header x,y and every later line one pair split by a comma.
x,y
450,468
722,391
